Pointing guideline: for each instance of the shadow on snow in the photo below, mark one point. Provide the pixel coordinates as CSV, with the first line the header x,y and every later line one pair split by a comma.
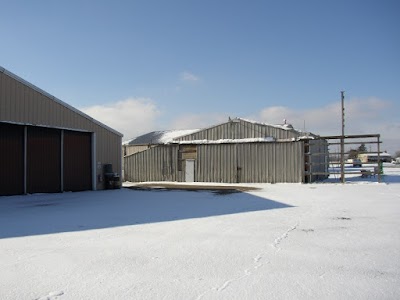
x,y
68,212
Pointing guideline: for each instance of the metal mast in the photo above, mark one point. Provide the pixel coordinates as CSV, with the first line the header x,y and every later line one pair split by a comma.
x,y
342,143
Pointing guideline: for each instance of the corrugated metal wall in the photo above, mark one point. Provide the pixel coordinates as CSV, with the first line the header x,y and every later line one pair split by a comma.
x,y
240,129
217,163
155,164
129,149
250,162
230,163
20,103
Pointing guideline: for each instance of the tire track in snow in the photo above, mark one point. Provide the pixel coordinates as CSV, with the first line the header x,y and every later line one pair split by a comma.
x,y
256,261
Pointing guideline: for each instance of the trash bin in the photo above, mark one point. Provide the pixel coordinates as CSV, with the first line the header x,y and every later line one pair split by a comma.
x,y
107,168
116,181
112,180
108,180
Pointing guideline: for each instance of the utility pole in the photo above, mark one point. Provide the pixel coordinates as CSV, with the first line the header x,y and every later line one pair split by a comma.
x,y
342,143
379,160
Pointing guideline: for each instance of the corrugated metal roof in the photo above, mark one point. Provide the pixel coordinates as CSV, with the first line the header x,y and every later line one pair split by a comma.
x,y
170,136
280,126
286,126
39,90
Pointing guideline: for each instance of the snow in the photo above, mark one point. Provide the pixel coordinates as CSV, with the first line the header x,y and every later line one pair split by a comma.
x,y
281,241
162,137
226,141
283,126
173,134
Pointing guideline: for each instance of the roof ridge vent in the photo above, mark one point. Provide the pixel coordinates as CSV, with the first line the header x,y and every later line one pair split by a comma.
x,y
288,126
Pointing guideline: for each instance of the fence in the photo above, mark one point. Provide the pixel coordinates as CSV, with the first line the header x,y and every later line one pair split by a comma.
x,y
337,159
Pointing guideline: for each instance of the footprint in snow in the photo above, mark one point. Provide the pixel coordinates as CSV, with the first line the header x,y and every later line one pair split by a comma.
x,y
257,258
51,296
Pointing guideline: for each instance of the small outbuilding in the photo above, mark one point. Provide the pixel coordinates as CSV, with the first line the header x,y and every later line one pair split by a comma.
x,y
236,151
47,145
372,157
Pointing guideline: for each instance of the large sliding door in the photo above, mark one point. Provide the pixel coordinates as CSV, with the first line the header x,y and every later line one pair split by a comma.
x,y
43,160
11,159
77,168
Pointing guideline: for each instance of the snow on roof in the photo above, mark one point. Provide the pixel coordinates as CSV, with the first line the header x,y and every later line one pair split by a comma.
x,y
226,141
282,126
159,137
376,154
172,134
168,136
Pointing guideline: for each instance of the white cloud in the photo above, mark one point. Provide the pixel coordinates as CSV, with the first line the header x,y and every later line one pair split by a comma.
x,y
136,116
326,118
195,121
131,117
189,77
362,116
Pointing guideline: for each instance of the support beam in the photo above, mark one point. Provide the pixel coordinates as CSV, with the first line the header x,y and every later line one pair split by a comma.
x,y
62,161
25,159
342,143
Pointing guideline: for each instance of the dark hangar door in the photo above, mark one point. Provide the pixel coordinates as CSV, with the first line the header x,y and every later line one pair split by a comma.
x,y
77,150
43,160
11,159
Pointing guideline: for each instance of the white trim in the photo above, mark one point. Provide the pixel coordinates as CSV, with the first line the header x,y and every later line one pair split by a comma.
x,y
44,126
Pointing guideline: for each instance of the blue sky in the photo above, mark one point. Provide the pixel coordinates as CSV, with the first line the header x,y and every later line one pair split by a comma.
x,y
140,66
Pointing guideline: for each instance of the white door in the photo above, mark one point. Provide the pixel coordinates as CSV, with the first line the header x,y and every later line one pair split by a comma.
x,y
189,170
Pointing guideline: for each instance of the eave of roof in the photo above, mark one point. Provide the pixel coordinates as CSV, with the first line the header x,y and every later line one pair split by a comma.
x,y
44,93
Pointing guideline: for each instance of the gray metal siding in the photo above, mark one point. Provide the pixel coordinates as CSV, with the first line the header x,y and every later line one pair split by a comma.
x,y
132,149
250,162
239,130
230,163
216,163
155,164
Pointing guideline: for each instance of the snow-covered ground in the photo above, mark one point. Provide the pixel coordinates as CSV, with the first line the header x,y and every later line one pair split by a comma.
x,y
284,241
